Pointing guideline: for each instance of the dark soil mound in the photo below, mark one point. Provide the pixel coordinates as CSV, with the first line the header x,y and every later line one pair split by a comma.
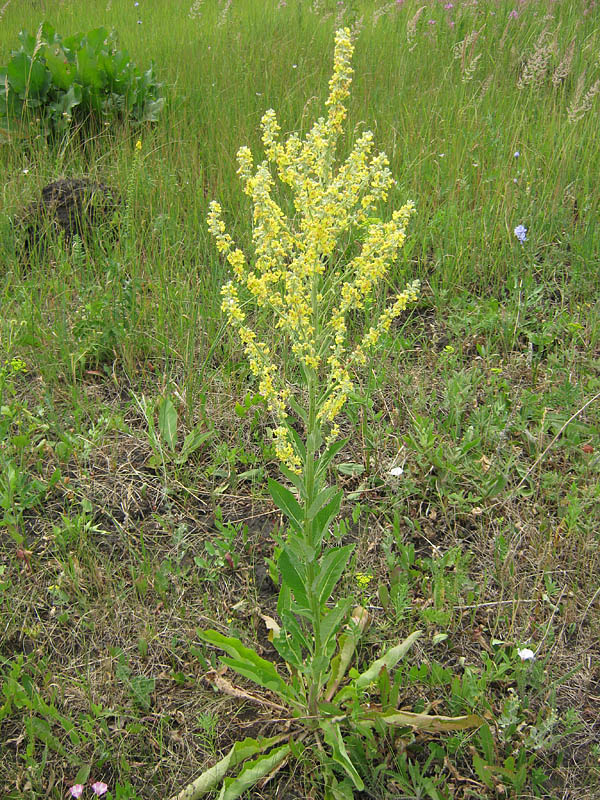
x,y
71,205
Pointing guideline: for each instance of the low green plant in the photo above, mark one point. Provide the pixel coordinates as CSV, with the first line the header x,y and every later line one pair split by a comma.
x,y
164,438
83,78
221,551
301,276
22,440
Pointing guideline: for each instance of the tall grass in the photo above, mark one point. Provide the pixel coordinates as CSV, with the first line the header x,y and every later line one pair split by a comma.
x,y
446,106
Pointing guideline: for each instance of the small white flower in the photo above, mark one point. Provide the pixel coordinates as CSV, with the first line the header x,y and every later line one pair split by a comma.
x,y
294,66
396,471
525,654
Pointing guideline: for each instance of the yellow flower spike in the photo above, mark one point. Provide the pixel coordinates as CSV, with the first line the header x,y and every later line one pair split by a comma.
x,y
138,145
293,274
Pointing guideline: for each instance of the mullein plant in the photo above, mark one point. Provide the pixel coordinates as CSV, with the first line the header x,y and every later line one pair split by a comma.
x,y
293,278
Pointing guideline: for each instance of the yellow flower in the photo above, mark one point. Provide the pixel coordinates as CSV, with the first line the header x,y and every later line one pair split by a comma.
x,y
138,145
294,275
363,579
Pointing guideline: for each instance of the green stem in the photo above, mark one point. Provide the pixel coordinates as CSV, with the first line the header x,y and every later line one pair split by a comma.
x,y
312,489
309,482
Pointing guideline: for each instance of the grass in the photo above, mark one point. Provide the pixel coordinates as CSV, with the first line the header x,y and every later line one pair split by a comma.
x,y
117,544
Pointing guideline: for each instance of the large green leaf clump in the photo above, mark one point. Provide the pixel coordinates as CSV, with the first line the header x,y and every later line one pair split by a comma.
x,y
85,78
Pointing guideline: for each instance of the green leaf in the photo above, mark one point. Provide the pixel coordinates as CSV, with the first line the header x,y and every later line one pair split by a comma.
x,y
286,501
294,479
27,42
167,421
40,729
297,442
484,771
347,645
388,660
487,742
61,70
333,737
329,454
288,649
339,791
17,72
331,567
351,468
301,550
213,776
321,522
83,774
194,440
333,619
290,574
141,689
87,69
298,410
248,663
62,108
314,440
320,500
28,78
252,772
96,38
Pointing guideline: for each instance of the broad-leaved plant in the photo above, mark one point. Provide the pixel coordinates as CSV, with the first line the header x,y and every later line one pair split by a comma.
x,y
296,278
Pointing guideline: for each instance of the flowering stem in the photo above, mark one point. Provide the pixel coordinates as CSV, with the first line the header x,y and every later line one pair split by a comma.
x,y
312,436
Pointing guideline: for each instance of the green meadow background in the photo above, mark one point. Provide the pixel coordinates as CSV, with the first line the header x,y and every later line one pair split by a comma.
x,y
486,394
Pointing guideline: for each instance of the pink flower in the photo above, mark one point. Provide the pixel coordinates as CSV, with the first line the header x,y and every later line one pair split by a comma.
x,y
513,14
448,6
77,790
431,22
99,788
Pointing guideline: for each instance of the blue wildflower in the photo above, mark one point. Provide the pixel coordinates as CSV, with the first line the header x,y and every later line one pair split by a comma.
x,y
521,233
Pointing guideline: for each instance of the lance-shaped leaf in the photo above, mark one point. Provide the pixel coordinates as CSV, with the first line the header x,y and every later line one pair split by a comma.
x,y
333,619
388,660
252,772
324,496
213,776
329,455
298,443
294,479
286,501
321,522
331,567
167,421
334,738
432,723
248,663
347,645
291,575
297,409
191,443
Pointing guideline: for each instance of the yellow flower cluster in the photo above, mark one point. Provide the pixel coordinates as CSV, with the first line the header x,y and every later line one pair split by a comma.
x,y
293,272
363,579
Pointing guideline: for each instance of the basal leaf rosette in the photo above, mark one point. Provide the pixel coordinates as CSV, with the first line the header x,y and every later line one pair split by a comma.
x,y
293,272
